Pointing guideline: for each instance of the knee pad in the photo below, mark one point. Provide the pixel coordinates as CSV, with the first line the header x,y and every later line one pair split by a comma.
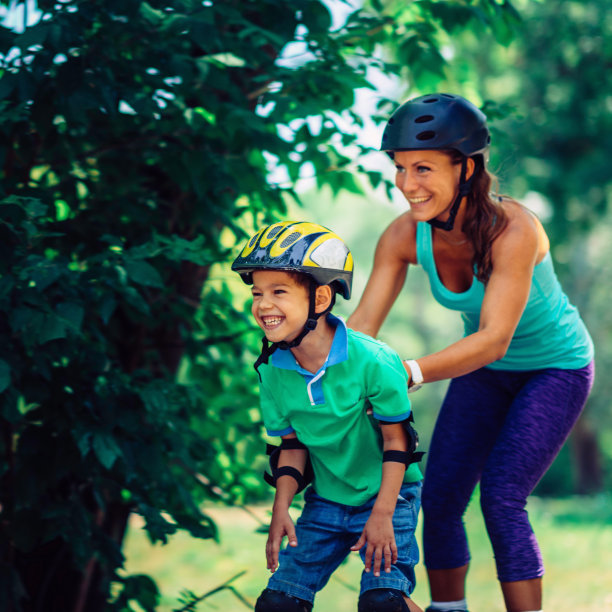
x,y
277,601
382,600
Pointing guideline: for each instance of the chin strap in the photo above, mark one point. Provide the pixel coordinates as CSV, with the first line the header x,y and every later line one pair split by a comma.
x,y
465,186
311,322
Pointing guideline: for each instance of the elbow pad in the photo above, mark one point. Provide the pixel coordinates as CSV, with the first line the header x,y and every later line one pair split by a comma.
x,y
411,455
303,480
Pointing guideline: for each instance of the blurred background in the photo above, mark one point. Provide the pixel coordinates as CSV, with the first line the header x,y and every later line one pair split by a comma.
x,y
141,144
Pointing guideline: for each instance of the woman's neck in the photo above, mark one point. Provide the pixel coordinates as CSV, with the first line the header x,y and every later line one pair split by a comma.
x,y
455,237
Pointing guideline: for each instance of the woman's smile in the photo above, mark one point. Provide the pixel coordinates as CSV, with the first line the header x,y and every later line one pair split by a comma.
x,y
417,202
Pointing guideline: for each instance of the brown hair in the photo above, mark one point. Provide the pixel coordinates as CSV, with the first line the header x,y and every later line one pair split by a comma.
x,y
485,219
305,280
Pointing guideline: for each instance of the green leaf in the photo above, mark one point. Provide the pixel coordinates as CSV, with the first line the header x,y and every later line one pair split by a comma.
x,y
106,449
84,443
106,308
52,328
71,314
227,59
153,16
141,588
143,273
5,375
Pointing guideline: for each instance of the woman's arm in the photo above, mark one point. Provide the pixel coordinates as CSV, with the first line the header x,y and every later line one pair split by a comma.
x,y
395,250
514,255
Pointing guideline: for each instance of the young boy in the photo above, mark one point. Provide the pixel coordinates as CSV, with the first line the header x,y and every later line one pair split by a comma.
x,y
338,399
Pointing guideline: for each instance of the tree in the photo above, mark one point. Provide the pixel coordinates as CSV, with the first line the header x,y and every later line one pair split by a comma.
x,y
137,144
555,143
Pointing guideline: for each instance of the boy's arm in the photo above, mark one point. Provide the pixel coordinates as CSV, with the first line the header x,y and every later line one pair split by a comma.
x,y
286,487
378,531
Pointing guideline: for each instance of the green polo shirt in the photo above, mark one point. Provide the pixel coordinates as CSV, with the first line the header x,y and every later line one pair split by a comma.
x,y
329,411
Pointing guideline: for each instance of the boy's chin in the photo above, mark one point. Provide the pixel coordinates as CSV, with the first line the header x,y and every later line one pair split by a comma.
x,y
277,338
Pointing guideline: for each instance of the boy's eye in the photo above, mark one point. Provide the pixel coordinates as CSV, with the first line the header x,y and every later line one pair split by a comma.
x,y
278,291
256,293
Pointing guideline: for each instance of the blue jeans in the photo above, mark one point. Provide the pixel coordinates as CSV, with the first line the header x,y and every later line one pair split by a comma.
x,y
326,531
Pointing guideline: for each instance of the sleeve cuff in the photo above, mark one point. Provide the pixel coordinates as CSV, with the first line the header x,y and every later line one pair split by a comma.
x,y
280,432
385,418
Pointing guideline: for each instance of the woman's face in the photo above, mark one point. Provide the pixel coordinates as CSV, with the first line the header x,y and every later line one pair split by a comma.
x,y
429,181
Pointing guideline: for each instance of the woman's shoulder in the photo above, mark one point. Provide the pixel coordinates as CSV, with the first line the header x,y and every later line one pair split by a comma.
x,y
523,227
400,237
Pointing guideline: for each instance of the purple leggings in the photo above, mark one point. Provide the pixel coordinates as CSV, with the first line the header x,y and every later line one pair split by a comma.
x,y
503,429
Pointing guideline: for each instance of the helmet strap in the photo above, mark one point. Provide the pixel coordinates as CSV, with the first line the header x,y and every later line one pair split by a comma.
x,y
311,323
465,186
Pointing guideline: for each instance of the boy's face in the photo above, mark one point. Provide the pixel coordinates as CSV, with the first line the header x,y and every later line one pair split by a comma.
x,y
280,304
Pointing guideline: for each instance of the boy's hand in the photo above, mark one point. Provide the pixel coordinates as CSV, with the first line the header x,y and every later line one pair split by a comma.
x,y
380,538
280,526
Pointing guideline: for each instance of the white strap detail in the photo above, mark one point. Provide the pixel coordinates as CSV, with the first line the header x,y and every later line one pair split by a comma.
x,y
309,386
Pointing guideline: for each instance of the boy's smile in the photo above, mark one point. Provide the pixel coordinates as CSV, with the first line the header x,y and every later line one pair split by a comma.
x,y
280,304
272,321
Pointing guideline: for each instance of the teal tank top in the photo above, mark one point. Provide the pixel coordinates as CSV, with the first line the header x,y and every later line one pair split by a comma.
x,y
550,333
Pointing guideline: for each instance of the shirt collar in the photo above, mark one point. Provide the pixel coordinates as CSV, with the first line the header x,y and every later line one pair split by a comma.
x,y
337,353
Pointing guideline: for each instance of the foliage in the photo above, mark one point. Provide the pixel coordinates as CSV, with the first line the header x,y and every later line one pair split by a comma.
x,y
555,76
554,149
139,141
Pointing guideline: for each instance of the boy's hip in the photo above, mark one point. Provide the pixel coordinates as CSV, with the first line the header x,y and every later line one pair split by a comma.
x,y
319,511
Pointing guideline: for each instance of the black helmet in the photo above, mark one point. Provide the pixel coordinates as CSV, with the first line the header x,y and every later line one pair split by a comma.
x,y
440,121
437,121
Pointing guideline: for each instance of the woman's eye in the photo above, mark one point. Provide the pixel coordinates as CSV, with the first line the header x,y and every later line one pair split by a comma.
x,y
423,169
399,169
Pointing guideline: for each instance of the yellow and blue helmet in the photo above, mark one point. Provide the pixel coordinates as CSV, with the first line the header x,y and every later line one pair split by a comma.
x,y
298,247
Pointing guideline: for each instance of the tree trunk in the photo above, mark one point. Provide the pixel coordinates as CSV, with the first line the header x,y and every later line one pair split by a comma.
x,y
586,458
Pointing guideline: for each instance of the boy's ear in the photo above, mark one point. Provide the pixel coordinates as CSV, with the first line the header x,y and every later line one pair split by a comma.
x,y
323,297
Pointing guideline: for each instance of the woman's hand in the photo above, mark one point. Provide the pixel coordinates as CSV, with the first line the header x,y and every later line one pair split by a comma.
x,y
379,536
280,526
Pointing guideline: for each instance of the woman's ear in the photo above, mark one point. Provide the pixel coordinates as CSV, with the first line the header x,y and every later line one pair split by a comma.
x,y
471,165
323,297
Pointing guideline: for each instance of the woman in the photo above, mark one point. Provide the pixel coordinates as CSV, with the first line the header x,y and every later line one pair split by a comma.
x,y
522,372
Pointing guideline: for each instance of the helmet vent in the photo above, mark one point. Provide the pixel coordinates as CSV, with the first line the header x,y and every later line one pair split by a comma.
x,y
253,239
428,135
290,239
274,231
424,119
430,100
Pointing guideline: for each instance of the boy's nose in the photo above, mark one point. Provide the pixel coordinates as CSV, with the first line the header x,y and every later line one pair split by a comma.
x,y
265,302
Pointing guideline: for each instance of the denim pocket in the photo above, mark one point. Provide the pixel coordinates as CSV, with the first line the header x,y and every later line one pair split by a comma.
x,y
410,496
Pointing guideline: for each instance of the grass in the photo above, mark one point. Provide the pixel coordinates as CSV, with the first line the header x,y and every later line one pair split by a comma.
x,y
575,535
